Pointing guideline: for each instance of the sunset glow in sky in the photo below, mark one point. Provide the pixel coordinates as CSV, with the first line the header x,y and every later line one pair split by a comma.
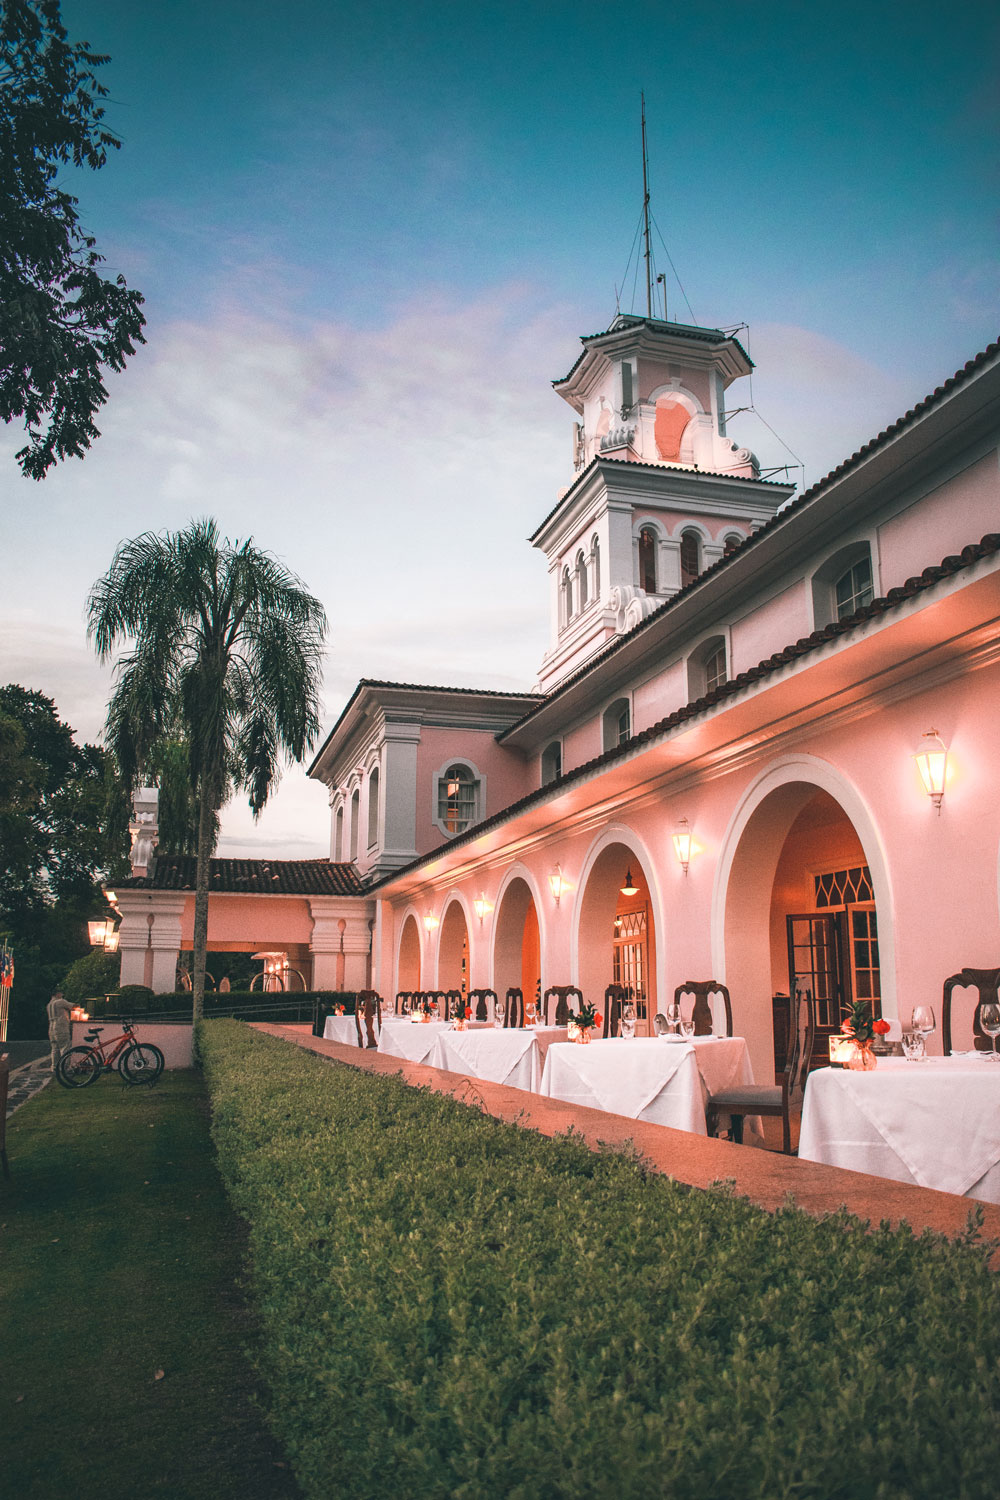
x,y
370,236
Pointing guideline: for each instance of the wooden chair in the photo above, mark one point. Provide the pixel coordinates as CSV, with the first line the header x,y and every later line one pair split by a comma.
x,y
483,1003
367,1015
403,999
615,996
779,1099
513,1009
452,1005
702,1015
558,1014
986,982
4,1084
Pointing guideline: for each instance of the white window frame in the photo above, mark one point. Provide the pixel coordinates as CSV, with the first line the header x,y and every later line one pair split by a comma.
x,y
479,781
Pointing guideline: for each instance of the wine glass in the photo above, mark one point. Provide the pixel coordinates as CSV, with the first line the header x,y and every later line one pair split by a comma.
x,y
673,1016
530,1013
498,1010
628,1020
989,1020
923,1020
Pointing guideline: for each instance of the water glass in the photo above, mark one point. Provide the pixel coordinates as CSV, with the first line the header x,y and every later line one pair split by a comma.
x,y
628,1022
913,1046
989,1020
687,1027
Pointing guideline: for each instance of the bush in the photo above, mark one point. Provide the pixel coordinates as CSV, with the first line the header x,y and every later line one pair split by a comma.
x,y
453,1306
291,1006
95,974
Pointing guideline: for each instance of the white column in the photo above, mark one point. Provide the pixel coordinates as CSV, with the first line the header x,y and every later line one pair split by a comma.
x,y
149,938
165,939
325,940
357,946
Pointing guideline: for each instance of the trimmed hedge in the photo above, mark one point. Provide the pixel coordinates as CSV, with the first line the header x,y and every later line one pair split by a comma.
x,y
245,1005
455,1307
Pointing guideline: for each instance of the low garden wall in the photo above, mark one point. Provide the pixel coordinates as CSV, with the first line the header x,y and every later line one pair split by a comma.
x,y
174,1038
455,1306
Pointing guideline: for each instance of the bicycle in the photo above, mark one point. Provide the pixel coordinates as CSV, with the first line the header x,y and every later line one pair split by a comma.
x,y
137,1062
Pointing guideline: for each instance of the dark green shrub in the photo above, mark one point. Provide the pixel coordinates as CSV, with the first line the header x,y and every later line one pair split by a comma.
x,y
457,1307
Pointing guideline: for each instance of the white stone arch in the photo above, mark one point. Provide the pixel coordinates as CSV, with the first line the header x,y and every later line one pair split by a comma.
x,y
824,776
622,833
453,897
681,395
519,871
690,523
422,935
661,534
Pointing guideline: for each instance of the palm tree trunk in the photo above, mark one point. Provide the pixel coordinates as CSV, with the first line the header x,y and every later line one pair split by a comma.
x,y
206,843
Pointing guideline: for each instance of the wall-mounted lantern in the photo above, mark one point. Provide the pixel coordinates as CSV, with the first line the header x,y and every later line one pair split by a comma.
x,y
682,843
481,907
932,763
431,921
556,884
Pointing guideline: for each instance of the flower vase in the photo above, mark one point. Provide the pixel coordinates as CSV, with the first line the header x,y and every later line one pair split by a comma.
x,y
583,1035
460,1024
862,1058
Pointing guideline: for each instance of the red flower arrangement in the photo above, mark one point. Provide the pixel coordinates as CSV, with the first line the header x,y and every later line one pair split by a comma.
x,y
881,1028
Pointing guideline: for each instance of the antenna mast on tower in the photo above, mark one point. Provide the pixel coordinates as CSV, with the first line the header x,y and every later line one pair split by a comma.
x,y
645,213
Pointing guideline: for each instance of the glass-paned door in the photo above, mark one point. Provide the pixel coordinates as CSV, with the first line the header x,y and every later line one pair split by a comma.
x,y
863,960
815,963
631,960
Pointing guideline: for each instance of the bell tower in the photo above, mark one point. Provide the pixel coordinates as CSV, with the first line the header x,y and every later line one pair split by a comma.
x,y
660,492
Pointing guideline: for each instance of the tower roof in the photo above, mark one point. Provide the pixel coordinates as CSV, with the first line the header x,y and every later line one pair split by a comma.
x,y
652,338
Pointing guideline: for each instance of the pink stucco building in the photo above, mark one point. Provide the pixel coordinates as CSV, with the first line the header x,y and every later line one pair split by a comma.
x,y
749,670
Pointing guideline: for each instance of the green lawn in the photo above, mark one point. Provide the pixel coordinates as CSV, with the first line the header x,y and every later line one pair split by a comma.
x,y
120,1258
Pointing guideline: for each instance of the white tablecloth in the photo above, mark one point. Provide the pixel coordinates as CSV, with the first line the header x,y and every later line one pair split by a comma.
x,y
341,1029
647,1078
509,1056
935,1123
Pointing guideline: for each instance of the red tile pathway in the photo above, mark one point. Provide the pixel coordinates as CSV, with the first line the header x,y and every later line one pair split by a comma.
x,y
767,1178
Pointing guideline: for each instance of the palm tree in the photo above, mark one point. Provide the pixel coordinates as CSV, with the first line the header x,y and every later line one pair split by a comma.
x,y
224,642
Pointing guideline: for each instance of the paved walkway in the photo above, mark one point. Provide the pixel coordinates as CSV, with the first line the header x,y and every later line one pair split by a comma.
x,y
26,1081
765,1177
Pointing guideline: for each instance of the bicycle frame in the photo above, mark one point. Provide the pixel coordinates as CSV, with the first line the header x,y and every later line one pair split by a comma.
x,y
116,1043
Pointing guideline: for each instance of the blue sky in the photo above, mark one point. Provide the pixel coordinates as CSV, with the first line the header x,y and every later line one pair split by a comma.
x,y
369,237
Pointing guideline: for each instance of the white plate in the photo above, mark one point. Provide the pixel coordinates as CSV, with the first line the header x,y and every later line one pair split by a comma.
x,y
670,1036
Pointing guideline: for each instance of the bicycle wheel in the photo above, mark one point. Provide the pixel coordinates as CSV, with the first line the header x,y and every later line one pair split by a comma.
x,y
78,1067
141,1063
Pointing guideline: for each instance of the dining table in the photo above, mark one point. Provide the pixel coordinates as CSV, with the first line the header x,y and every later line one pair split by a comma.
x,y
413,1041
934,1122
341,1029
665,1080
510,1054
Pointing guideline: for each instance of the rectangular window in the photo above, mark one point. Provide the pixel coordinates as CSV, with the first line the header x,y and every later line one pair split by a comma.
x,y
854,590
628,399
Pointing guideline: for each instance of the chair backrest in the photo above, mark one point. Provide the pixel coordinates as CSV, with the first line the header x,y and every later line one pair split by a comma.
x,y
614,999
985,982
556,1003
403,999
483,1003
367,1015
701,989
452,1005
513,1010
801,1037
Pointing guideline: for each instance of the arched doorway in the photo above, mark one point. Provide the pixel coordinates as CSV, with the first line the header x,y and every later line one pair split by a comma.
x,y
453,951
800,909
409,956
617,941
517,948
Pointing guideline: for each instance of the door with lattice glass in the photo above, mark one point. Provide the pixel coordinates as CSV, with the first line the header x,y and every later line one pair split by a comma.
x,y
631,961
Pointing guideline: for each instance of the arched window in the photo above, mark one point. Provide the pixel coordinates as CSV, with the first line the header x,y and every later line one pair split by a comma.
x,y
373,808
567,597
617,723
458,799
355,819
731,543
708,667
843,584
715,668
338,835
647,559
853,589
595,553
581,580
551,762
690,557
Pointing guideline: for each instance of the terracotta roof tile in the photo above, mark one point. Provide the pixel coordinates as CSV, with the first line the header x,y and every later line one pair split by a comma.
x,y
259,877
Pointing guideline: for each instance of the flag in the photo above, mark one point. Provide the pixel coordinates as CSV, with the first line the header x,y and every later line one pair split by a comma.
x,y
6,969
